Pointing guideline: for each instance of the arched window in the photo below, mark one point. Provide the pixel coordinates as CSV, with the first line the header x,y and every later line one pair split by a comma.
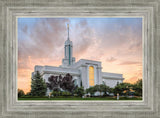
x,y
91,76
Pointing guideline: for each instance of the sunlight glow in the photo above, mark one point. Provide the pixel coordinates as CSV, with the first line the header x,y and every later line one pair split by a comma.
x,y
91,76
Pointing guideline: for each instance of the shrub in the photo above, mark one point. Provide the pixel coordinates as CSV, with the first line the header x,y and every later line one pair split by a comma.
x,y
20,93
66,93
56,93
90,90
79,91
98,88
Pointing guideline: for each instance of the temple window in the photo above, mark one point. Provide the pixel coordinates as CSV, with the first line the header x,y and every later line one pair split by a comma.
x,y
91,76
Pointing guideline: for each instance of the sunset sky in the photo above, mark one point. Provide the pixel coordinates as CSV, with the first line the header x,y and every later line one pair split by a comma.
x,y
116,42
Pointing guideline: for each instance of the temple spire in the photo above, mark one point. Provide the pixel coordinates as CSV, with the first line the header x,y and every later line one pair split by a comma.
x,y
68,55
68,30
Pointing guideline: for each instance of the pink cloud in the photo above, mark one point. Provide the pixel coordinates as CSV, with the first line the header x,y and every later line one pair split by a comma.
x,y
129,63
111,59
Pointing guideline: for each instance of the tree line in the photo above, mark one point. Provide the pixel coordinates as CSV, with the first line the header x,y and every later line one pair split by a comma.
x,y
64,86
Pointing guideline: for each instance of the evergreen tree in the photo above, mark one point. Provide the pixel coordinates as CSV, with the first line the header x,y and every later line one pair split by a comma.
x,y
38,86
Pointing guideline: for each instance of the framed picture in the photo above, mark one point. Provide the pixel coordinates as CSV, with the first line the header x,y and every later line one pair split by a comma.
x,y
74,50
68,58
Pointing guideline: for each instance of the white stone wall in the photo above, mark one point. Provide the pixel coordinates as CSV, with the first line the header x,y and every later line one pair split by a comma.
x,y
99,73
83,75
111,82
95,74
38,68
77,79
83,66
46,76
80,72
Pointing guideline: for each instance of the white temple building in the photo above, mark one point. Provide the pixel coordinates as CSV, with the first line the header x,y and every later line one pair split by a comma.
x,y
85,72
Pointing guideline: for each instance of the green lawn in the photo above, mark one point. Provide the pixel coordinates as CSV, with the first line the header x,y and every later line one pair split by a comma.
x,y
79,98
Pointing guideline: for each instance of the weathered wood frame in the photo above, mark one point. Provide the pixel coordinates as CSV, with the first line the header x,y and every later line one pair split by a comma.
x,y
149,10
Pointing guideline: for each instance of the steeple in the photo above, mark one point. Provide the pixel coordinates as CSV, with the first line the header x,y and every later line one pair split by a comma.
x,y
68,30
68,59
68,42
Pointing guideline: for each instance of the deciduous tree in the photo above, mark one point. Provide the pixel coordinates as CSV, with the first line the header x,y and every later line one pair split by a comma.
x,y
58,83
138,88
